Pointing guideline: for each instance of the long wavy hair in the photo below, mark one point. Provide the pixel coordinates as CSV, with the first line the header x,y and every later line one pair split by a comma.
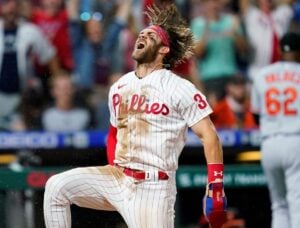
x,y
180,35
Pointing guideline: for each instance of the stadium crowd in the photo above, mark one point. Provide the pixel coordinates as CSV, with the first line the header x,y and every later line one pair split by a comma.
x,y
45,42
58,58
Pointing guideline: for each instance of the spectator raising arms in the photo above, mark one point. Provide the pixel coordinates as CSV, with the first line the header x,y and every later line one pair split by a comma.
x,y
94,49
265,23
219,36
52,18
20,43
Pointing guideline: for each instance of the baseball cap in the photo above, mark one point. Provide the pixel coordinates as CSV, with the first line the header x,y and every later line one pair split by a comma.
x,y
290,42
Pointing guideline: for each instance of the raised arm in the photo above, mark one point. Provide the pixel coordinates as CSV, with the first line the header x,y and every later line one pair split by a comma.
x,y
110,42
124,9
200,45
240,40
72,7
244,5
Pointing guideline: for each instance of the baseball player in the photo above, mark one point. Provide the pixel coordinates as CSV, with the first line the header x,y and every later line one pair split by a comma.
x,y
275,98
151,110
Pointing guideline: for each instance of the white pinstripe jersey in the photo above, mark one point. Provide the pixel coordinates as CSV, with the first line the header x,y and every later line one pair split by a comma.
x,y
275,97
152,116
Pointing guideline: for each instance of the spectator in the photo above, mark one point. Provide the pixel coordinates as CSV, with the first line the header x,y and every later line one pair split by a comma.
x,y
28,116
98,62
234,110
25,9
107,7
219,37
265,24
20,43
127,40
52,18
64,115
94,49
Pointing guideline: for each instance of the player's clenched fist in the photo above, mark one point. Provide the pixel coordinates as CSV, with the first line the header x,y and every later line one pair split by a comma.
x,y
214,201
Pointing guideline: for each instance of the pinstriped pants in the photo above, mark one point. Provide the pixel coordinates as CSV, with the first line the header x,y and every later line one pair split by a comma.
x,y
141,203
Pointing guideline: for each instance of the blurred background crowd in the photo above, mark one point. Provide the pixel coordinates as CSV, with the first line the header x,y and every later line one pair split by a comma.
x,y
58,58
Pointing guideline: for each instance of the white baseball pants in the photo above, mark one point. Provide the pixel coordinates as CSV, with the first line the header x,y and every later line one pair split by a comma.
x,y
141,203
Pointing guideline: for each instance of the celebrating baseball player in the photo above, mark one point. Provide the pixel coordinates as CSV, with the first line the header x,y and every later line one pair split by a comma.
x,y
275,98
151,110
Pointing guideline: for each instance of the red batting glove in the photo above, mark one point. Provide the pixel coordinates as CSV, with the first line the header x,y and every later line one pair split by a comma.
x,y
214,201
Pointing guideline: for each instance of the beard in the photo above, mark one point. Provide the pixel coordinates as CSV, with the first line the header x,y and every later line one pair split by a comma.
x,y
145,55
241,99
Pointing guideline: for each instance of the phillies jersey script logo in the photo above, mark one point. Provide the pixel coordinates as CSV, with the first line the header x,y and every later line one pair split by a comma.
x,y
139,104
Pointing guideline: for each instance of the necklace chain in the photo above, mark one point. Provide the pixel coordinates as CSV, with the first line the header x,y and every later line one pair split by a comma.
x,y
154,68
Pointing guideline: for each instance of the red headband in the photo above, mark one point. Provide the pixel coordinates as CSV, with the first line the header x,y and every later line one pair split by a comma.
x,y
163,35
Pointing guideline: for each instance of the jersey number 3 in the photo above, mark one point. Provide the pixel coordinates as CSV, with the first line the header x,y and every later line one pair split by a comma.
x,y
274,105
201,101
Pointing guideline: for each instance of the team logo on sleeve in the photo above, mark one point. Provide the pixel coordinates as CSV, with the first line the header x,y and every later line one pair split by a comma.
x,y
202,104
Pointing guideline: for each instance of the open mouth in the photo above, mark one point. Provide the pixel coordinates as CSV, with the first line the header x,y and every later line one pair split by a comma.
x,y
140,46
